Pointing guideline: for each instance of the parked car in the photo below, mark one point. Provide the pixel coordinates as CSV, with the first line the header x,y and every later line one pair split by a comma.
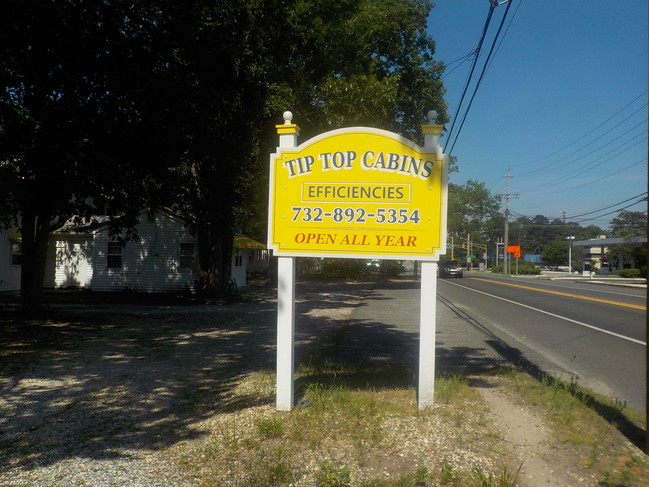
x,y
450,268
373,266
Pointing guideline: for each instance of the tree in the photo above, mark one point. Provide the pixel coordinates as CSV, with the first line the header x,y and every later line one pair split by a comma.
x,y
555,253
153,102
361,62
76,117
348,63
628,224
472,210
225,56
320,59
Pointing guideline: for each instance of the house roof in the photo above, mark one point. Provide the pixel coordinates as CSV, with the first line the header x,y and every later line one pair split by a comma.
x,y
81,225
77,225
243,242
609,242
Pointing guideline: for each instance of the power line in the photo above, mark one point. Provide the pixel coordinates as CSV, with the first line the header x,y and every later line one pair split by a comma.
x,y
639,198
610,206
590,166
548,167
463,59
617,210
586,134
484,68
473,66
507,29
606,176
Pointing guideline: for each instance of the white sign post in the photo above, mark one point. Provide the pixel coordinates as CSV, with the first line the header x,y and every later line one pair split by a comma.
x,y
428,303
357,193
286,299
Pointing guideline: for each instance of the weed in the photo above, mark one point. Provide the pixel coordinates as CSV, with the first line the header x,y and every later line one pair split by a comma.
x,y
229,435
331,475
271,428
448,386
418,478
506,479
271,469
448,475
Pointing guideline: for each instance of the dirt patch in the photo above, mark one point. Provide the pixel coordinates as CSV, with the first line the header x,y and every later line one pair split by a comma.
x,y
530,442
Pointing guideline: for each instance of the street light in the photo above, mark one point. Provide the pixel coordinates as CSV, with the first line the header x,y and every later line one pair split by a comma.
x,y
570,255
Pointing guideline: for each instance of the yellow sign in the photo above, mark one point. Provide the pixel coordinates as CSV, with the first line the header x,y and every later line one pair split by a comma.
x,y
357,192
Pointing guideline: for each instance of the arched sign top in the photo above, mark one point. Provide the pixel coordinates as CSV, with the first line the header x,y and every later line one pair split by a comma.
x,y
361,131
358,192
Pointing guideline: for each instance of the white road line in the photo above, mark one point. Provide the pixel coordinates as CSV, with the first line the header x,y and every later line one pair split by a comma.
x,y
586,325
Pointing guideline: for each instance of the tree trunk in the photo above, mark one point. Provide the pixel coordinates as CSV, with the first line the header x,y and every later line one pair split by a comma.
x,y
215,240
35,235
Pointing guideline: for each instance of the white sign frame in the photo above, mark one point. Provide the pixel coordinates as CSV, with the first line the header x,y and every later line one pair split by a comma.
x,y
285,369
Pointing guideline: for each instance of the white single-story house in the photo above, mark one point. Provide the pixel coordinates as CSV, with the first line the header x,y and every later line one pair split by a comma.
x,y
162,260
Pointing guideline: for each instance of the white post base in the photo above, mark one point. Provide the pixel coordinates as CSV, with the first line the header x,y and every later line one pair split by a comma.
x,y
427,330
285,332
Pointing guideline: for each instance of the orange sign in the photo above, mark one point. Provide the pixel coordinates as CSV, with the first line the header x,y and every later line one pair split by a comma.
x,y
515,250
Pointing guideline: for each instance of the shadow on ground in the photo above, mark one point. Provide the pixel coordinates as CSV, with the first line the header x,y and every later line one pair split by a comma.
x,y
102,378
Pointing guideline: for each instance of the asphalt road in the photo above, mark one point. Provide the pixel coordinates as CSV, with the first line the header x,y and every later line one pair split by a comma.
x,y
592,333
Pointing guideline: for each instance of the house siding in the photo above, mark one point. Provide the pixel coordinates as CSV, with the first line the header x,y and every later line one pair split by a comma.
x,y
72,258
152,264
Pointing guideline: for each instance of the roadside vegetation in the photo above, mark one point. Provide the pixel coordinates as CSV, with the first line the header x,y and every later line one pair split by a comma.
x,y
522,268
360,426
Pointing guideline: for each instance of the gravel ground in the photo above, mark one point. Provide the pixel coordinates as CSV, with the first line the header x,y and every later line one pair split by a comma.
x,y
93,396
118,394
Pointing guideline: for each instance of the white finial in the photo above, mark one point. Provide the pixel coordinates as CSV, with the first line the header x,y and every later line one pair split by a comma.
x,y
288,117
432,117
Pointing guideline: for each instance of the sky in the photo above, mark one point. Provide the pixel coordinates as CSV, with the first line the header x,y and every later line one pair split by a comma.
x,y
562,104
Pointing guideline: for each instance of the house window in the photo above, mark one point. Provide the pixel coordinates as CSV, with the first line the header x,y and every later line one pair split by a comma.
x,y
187,256
114,255
16,253
238,260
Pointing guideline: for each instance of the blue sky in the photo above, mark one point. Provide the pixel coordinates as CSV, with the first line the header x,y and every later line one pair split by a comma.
x,y
563,103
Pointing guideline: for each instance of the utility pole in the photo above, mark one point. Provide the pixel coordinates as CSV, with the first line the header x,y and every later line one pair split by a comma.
x,y
507,196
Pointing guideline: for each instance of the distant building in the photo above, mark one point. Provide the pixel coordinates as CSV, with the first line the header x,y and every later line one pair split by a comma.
x,y
593,251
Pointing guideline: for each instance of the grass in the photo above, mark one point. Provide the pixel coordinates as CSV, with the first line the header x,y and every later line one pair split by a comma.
x,y
590,423
348,433
505,479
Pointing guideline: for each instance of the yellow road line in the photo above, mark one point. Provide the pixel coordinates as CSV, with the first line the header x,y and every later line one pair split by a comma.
x,y
569,295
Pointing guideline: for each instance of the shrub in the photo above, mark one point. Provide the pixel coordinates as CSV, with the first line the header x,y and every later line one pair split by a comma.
x,y
524,268
630,273
390,269
345,268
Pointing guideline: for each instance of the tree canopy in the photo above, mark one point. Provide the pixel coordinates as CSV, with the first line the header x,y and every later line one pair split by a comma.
x,y
628,224
124,105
